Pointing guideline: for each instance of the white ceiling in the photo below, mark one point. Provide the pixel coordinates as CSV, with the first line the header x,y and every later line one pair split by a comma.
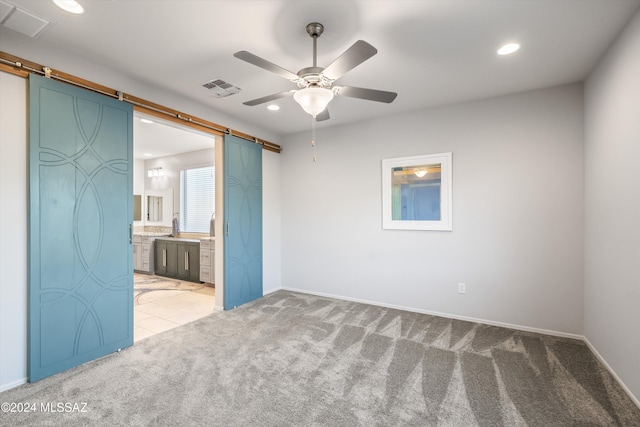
x,y
163,138
431,52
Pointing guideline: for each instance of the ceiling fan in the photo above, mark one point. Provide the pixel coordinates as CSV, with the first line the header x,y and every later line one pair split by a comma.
x,y
316,84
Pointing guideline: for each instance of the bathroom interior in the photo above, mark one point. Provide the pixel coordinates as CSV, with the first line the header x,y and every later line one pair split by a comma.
x,y
174,212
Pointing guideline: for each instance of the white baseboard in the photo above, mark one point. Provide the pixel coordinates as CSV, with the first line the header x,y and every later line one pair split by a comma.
x,y
447,315
612,372
270,291
267,292
13,384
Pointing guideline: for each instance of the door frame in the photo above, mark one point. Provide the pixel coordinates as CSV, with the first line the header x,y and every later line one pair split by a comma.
x,y
217,141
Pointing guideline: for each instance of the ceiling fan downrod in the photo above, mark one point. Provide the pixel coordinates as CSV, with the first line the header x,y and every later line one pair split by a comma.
x,y
315,30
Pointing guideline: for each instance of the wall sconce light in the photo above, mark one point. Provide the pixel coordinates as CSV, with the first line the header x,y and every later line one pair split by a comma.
x,y
154,172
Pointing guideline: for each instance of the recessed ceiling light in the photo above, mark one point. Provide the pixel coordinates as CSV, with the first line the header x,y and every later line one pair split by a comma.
x,y
508,48
273,107
146,121
70,6
148,155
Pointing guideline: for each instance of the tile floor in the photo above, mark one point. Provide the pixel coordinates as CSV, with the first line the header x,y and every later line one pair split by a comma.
x,y
161,304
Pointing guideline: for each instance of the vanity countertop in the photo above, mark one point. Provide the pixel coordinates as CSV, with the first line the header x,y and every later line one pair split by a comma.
x,y
150,234
178,239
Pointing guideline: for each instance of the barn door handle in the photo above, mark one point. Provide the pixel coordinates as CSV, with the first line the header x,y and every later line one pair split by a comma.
x,y
227,226
130,233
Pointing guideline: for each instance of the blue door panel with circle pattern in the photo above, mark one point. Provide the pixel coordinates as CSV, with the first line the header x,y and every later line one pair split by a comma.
x,y
80,213
243,221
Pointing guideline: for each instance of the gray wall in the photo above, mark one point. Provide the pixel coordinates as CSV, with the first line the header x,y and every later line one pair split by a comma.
x,y
517,212
612,219
271,222
13,230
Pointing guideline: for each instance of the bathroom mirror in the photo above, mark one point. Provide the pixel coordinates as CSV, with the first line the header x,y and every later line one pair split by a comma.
x,y
158,207
154,208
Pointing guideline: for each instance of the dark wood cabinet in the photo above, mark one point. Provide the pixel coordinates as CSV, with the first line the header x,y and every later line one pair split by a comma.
x,y
161,257
194,262
178,259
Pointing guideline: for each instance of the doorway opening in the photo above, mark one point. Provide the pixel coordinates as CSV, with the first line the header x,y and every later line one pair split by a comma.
x,y
174,246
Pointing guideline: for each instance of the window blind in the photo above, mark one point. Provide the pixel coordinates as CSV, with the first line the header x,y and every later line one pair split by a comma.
x,y
197,199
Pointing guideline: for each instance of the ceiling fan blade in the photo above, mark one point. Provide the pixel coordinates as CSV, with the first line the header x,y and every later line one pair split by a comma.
x,y
323,116
362,93
359,52
269,98
263,63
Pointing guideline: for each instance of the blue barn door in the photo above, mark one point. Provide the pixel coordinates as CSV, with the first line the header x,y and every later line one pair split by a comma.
x,y
243,221
80,211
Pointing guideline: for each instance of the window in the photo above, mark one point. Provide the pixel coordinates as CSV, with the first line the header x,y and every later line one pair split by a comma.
x,y
197,199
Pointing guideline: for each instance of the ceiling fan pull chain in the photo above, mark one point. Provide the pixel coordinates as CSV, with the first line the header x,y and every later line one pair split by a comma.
x,y
313,137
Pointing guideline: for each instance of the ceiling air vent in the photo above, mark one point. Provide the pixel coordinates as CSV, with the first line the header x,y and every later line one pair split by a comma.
x,y
21,20
221,88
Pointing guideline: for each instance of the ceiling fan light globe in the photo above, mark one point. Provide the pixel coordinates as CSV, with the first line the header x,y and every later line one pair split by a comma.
x,y
313,100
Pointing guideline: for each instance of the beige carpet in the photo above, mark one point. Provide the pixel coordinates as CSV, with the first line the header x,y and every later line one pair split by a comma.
x,y
290,359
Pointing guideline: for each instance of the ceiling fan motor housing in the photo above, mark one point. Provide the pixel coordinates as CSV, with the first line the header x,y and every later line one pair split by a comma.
x,y
312,76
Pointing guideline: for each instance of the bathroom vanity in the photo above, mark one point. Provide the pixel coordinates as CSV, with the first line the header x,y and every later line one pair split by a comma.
x,y
178,258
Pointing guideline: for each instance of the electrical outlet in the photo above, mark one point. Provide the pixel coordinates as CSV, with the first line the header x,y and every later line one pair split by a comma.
x,y
462,288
